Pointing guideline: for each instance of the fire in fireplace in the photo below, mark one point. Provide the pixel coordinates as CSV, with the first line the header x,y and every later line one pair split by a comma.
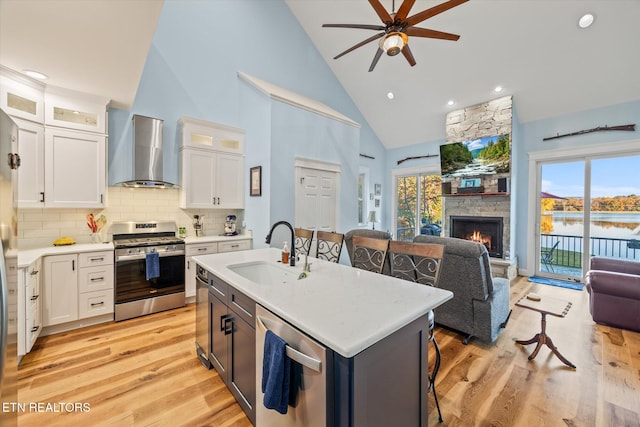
x,y
485,230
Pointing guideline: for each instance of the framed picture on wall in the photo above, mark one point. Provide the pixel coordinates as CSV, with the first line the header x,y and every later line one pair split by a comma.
x,y
377,203
378,189
255,181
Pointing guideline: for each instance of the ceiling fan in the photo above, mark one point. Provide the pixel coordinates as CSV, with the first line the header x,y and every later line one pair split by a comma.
x,y
397,28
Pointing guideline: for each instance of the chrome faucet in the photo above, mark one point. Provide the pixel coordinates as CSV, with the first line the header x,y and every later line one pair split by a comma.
x,y
292,257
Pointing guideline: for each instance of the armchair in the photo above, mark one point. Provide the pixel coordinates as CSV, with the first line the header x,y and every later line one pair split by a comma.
x,y
614,292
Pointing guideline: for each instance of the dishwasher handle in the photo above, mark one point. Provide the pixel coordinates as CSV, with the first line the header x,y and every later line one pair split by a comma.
x,y
294,354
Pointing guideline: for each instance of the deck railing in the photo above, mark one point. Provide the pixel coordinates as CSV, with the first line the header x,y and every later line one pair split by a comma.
x,y
569,250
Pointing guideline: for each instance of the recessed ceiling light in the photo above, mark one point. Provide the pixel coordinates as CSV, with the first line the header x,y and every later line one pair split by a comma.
x,y
390,95
451,102
35,74
586,20
498,89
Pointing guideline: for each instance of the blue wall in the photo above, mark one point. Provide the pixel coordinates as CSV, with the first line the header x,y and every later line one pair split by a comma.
x,y
191,70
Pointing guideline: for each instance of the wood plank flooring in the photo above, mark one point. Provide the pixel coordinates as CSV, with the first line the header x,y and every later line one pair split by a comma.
x,y
144,372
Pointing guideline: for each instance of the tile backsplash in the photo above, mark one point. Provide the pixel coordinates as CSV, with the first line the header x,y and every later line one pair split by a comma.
x,y
38,227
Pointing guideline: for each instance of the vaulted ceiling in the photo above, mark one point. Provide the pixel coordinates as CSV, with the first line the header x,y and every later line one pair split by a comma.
x,y
534,49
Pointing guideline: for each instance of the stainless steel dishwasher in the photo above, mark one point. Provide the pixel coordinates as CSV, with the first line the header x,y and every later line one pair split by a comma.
x,y
310,370
203,339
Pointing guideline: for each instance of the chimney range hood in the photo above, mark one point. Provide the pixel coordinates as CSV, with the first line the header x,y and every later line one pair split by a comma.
x,y
147,154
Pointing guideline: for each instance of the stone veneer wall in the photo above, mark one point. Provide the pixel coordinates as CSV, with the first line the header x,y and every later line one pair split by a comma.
x,y
486,119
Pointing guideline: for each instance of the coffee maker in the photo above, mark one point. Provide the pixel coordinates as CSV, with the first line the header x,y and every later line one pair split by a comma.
x,y
230,226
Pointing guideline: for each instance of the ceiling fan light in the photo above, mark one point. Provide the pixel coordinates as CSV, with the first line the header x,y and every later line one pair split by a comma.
x,y
393,43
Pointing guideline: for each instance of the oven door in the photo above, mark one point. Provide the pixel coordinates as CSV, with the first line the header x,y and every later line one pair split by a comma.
x,y
131,283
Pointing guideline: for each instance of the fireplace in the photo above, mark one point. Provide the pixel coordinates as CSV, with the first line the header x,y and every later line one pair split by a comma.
x,y
481,229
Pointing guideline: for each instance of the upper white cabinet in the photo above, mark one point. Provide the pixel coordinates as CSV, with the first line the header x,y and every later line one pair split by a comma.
x,y
73,110
21,99
31,170
74,169
211,136
211,166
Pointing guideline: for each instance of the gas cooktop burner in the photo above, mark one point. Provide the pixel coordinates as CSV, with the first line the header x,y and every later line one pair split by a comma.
x,y
142,234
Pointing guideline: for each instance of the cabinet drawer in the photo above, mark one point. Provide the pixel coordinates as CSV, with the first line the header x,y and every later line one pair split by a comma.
x,y
240,245
95,278
201,249
88,259
243,306
95,303
219,287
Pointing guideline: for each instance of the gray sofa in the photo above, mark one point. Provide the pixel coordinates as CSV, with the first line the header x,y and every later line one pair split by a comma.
x,y
480,304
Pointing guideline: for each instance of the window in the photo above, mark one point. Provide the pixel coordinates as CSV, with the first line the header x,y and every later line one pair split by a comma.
x,y
363,191
418,205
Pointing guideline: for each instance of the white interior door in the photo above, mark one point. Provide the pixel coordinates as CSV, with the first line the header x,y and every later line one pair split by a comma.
x,y
316,199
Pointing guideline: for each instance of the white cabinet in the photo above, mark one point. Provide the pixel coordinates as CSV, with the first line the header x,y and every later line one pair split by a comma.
x,y
77,286
74,110
211,180
22,99
211,165
192,250
30,309
60,289
74,169
95,284
31,171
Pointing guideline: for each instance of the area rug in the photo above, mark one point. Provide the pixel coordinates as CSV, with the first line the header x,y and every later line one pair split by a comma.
x,y
555,282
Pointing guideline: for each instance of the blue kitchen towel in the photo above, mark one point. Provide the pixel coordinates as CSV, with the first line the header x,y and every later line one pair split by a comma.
x,y
153,265
276,368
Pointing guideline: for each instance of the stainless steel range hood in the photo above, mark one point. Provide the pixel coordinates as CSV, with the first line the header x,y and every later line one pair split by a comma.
x,y
147,154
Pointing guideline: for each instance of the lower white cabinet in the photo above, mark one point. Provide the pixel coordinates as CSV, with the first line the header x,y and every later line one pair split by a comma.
x,y
30,309
193,249
77,286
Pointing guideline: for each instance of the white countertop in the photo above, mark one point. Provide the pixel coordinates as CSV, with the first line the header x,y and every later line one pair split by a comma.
x,y
216,238
344,308
25,258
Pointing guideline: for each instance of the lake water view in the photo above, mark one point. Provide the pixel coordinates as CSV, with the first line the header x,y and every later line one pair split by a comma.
x,y
603,224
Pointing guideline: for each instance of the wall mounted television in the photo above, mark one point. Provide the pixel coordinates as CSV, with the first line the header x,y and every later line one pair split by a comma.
x,y
488,155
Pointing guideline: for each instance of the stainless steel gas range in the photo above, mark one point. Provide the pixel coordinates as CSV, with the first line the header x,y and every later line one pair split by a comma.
x,y
149,268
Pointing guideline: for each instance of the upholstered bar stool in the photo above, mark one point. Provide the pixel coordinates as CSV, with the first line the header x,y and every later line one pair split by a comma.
x,y
420,263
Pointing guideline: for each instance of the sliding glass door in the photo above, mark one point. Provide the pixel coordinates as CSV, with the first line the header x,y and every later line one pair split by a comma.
x,y
418,205
588,207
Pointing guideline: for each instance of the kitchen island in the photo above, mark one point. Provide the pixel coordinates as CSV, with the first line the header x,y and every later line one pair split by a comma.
x,y
374,326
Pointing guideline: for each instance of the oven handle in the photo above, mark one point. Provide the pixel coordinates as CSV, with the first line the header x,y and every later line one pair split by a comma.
x,y
143,256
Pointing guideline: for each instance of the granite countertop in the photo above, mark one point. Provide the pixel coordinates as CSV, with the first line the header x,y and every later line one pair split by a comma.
x,y
26,257
344,308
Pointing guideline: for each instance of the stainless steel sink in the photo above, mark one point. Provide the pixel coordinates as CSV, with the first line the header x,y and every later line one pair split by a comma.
x,y
265,273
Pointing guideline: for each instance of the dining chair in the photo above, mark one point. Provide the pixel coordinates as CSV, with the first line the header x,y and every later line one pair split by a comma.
x,y
420,263
303,240
329,245
369,253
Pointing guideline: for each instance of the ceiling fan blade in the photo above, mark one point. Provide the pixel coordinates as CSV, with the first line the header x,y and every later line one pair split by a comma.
x,y
407,54
362,43
432,34
426,14
381,11
358,26
375,59
405,7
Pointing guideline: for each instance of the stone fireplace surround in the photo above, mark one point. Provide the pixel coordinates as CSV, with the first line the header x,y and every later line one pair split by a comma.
x,y
487,119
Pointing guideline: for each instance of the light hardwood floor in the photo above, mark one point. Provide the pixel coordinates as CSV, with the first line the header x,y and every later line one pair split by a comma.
x,y
144,372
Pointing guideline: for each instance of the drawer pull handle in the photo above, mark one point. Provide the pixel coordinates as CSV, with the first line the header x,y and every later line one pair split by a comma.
x,y
235,246
202,249
97,279
96,304
35,297
96,259
34,272
35,329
